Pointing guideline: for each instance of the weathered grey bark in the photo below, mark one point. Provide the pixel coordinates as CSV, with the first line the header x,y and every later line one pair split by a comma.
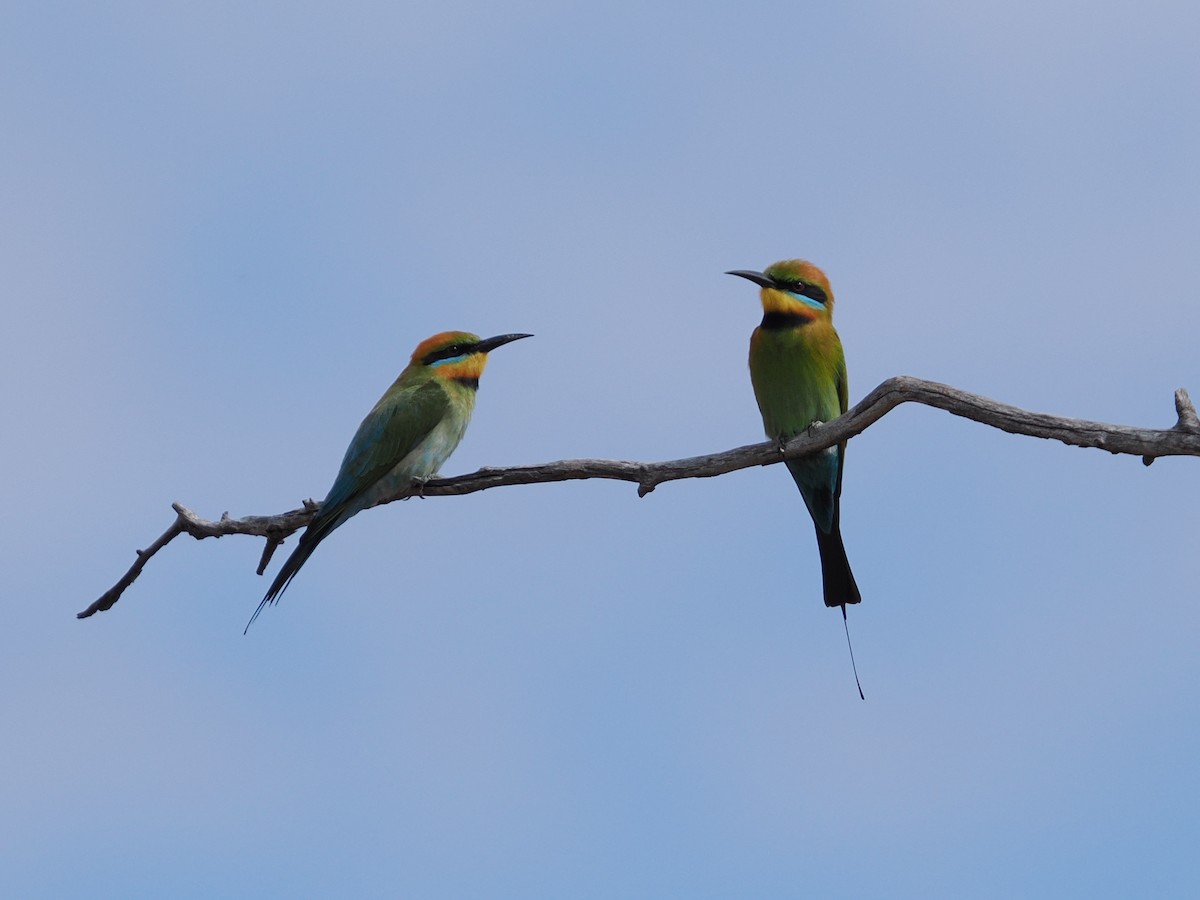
x,y
1182,439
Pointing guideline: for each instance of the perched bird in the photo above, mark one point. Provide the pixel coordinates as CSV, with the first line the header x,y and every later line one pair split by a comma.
x,y
799,376
403,441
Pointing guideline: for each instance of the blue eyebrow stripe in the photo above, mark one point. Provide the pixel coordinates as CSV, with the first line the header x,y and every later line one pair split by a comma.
x,y
807,301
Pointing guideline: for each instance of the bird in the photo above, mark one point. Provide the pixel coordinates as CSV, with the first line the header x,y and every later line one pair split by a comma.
x,y
403,440
798,371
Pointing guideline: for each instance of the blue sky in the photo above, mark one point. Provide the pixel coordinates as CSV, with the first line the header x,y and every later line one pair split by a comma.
x,y
223,227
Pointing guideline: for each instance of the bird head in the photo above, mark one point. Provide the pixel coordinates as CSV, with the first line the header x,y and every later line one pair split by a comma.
x,y
793,287
458,355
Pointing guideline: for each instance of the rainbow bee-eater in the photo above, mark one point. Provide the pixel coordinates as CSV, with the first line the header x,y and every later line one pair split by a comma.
x,y
799,374
403,441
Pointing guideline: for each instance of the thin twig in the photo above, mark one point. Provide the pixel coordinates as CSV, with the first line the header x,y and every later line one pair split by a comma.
x,y
113,594
1183,439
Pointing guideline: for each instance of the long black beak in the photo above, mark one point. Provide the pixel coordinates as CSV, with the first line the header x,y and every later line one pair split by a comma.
x,y
489,344
757,277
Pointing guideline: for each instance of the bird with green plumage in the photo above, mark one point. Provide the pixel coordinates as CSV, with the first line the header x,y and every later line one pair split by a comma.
x,y
798,371
403,441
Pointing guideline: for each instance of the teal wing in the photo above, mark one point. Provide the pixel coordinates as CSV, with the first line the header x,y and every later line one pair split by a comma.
x,y
838,581
819,477
397,425
393,429
843,392
820,481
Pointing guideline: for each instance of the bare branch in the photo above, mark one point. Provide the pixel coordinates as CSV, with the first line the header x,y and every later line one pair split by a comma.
x,y
1183,439
113,594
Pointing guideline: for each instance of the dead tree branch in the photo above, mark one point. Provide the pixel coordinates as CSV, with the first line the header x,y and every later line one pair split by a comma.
x,y
1182,439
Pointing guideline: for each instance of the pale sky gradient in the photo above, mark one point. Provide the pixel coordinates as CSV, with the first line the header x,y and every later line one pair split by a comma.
x,y
223,228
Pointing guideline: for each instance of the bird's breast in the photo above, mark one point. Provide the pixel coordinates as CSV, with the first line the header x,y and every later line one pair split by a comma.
x,y
427,457
795,382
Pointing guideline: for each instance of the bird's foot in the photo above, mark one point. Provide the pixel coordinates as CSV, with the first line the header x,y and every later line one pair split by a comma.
x,y
814,424
417,489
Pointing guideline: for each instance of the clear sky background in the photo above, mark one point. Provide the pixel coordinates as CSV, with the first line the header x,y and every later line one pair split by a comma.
x,y
223,228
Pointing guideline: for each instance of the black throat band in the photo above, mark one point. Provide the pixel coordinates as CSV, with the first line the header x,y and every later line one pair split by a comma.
x,y
780,321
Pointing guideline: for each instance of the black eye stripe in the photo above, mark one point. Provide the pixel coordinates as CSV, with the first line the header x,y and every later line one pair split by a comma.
x,y
446,353
805,289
